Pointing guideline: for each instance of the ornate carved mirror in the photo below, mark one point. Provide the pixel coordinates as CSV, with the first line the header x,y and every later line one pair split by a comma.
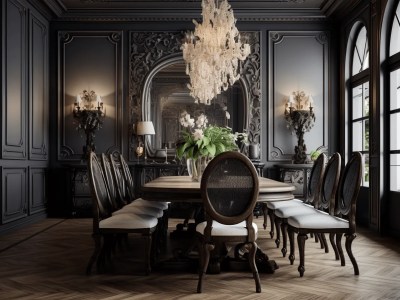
x,y
167,97
158,90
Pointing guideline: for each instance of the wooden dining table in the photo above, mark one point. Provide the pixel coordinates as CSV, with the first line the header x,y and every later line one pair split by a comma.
x,y
183,189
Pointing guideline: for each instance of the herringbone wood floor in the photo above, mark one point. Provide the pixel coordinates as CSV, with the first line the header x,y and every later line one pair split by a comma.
x,y
47,260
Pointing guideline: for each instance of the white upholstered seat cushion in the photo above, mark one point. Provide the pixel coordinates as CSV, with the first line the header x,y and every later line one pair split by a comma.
x,y
219,229
139,209
160,205
317,220
128,221
288,211
278,204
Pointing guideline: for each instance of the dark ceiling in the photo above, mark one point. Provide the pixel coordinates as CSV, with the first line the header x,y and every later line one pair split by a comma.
x,y
188,9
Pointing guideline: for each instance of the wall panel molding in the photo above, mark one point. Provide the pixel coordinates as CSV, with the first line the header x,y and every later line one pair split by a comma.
x,y
13,194
298,60
90,60
37,190
14,91
38,90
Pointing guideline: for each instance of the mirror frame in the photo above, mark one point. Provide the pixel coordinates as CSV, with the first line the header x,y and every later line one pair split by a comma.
x,y
149,52
146,99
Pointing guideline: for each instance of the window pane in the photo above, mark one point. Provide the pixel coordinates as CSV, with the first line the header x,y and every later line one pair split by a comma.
x,y
358,136
365,181
395,172
361,101
361,135
361,55
366,135
357,102
366,99
394,131
395,35
395,89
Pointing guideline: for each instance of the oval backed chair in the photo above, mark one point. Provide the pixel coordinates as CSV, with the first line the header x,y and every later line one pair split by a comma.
x,y
323,200
341,220
229,189
314,185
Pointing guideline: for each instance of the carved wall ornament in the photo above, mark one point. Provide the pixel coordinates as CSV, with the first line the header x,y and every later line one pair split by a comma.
x,y
148,51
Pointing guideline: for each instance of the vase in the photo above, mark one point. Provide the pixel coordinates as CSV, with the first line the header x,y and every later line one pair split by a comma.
x,y
196,167
254,151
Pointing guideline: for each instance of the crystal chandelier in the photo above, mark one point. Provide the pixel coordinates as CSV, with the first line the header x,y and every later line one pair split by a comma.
x,y
213,51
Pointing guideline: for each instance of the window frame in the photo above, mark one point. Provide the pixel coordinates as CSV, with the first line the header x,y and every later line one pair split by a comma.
x,y
354,81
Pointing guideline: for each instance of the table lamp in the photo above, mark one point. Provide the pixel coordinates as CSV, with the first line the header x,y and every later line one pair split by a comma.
x,y
145,128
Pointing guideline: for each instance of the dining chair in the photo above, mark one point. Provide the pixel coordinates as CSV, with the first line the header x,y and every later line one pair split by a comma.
x,y
342,222
130,187
106,226
120,192
313,187
229,190
155,207
323,201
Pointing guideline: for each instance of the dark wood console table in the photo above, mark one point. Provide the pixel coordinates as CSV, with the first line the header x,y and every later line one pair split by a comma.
x,y
297,175
79,189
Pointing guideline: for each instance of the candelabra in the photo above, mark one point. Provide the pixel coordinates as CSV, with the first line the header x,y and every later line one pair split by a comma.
x,y
300,118
89,111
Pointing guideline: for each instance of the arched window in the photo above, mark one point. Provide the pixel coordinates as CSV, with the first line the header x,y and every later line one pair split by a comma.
x,y
361,53
395,33
358,83
394,110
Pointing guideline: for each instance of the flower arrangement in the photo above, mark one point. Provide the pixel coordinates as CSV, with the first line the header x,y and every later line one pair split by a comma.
x,y
202,140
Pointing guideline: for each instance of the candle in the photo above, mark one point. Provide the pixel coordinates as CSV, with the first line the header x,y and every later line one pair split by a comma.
x,y
291,101
310,100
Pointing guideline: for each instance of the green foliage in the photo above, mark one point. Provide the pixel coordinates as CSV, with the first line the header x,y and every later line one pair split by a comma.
x,y
314,154
215,141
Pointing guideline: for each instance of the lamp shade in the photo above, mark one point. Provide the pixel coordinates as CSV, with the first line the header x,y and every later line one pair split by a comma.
x,y
145,127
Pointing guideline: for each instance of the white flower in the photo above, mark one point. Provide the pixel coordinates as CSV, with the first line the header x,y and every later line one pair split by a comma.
x,y
201,121
198,134
185,120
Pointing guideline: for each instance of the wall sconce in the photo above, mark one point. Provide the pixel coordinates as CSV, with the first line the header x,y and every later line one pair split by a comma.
x,y
145,128
300,118
89,111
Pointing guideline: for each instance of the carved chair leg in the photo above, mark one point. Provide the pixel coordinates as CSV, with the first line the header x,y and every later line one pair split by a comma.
x,y
284,227
340,250
301,241
318,238
105,253
324,242
205,251
265,213
252,262
349,241
333,244
291,242
96,252
272,220
148,252
278,231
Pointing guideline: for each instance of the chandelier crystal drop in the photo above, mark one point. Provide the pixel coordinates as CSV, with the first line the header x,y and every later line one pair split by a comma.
x,y
213,51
